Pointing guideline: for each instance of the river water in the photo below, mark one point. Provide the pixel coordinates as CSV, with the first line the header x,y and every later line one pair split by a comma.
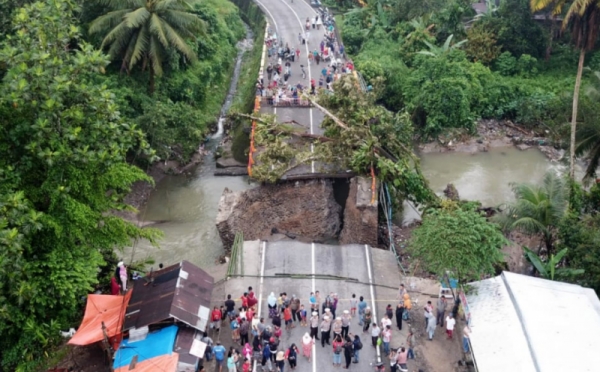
x,y
483,176
189,205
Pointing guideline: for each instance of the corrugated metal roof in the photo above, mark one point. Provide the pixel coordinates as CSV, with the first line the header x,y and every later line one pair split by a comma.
x,y
522,323
181,291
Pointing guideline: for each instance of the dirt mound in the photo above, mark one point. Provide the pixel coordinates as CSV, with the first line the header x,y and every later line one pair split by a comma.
x,y
304,210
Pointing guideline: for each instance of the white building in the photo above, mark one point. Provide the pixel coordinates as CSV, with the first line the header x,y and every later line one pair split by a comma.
x,y
521,323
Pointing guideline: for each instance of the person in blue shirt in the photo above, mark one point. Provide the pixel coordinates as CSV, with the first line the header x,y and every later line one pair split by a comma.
x,y
362,305
219,353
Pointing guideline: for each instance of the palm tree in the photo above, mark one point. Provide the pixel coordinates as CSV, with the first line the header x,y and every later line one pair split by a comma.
x,y
555,8
436,51
583,17
144,31
588,141
537,210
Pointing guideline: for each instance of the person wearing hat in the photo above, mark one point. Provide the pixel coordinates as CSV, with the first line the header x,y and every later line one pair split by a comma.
x,y
307,344
280,360
325,330
346,318
337,327
314,325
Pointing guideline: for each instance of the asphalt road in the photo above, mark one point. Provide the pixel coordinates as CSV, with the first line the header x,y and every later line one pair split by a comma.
x,y
289,19
300,268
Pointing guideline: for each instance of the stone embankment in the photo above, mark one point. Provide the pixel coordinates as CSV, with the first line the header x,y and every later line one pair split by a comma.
x,y
302,210
491,134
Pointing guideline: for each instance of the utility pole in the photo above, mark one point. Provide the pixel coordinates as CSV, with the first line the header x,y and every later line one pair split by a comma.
x,y
107,348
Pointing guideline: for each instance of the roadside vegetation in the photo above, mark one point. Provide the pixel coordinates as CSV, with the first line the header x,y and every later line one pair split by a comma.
x,y
92,93
532,62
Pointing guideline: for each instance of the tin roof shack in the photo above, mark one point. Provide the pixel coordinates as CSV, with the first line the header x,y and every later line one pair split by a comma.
x,y
181,294
521,323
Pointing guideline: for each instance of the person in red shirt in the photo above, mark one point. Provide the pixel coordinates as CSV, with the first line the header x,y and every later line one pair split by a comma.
x,y
252,300
114,286
287,316
215,319
244,299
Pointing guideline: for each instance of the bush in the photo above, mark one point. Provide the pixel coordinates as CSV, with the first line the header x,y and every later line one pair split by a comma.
x,y
506,64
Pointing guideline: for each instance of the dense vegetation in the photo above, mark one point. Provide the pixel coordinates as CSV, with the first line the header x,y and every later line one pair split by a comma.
x,y
91,94
446,67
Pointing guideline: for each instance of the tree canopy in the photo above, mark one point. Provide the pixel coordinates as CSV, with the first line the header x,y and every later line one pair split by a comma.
x,y
63,170
459,241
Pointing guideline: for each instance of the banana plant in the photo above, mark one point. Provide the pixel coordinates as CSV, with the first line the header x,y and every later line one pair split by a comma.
x,y
548,269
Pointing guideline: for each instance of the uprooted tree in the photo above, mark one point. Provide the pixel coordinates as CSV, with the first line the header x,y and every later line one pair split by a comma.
x,y
360,136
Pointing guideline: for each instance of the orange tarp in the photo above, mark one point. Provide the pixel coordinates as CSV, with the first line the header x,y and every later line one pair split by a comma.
x,y
167,363
101,308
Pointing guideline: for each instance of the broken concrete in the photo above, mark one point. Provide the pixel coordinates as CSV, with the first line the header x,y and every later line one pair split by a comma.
x,y
303,210
360,214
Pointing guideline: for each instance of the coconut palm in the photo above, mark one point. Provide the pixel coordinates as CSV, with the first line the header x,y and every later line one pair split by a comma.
x,y
143,31
537,209
583,18
588,142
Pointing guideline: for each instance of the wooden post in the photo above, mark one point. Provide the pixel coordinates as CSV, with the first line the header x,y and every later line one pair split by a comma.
x,y
107,348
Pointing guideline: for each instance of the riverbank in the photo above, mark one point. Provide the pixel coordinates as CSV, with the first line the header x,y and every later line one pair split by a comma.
x,y
493,134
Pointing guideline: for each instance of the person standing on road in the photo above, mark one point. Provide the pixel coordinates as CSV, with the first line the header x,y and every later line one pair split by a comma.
x,y
346,319
389,311
428,310
465,340
219,352
229,303
244,331
362,304
325,330
430,325
287,317
314,325
401,292
399,312
386,336
407,306
368,317
215,318
450,322
337,327
307,345
272,303
441,309
314,305
314,22
266,358
375,333
357,347
348,351
292,354
298,53
410,344
338,348
295,308
353,305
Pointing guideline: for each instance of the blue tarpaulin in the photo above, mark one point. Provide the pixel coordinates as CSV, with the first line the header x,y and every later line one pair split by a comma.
x,y
155,344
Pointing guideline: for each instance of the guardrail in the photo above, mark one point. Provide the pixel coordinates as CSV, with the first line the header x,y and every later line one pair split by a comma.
x,y
236,264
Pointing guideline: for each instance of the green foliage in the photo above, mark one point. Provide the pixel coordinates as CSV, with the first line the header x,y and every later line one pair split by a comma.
x,y
63,170
482,46
457,240
538,210
581,234
439,92
140,32
506,64
548,269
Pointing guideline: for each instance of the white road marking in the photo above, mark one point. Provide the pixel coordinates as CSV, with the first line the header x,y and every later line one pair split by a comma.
x,y
312,148
314,348
260,289
270,15
368,260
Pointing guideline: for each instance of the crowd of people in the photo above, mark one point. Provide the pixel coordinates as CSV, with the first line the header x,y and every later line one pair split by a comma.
x,y
283,59
328,322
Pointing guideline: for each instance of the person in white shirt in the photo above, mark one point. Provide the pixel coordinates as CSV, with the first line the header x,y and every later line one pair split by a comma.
x,y
375,332
385,321
450,322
